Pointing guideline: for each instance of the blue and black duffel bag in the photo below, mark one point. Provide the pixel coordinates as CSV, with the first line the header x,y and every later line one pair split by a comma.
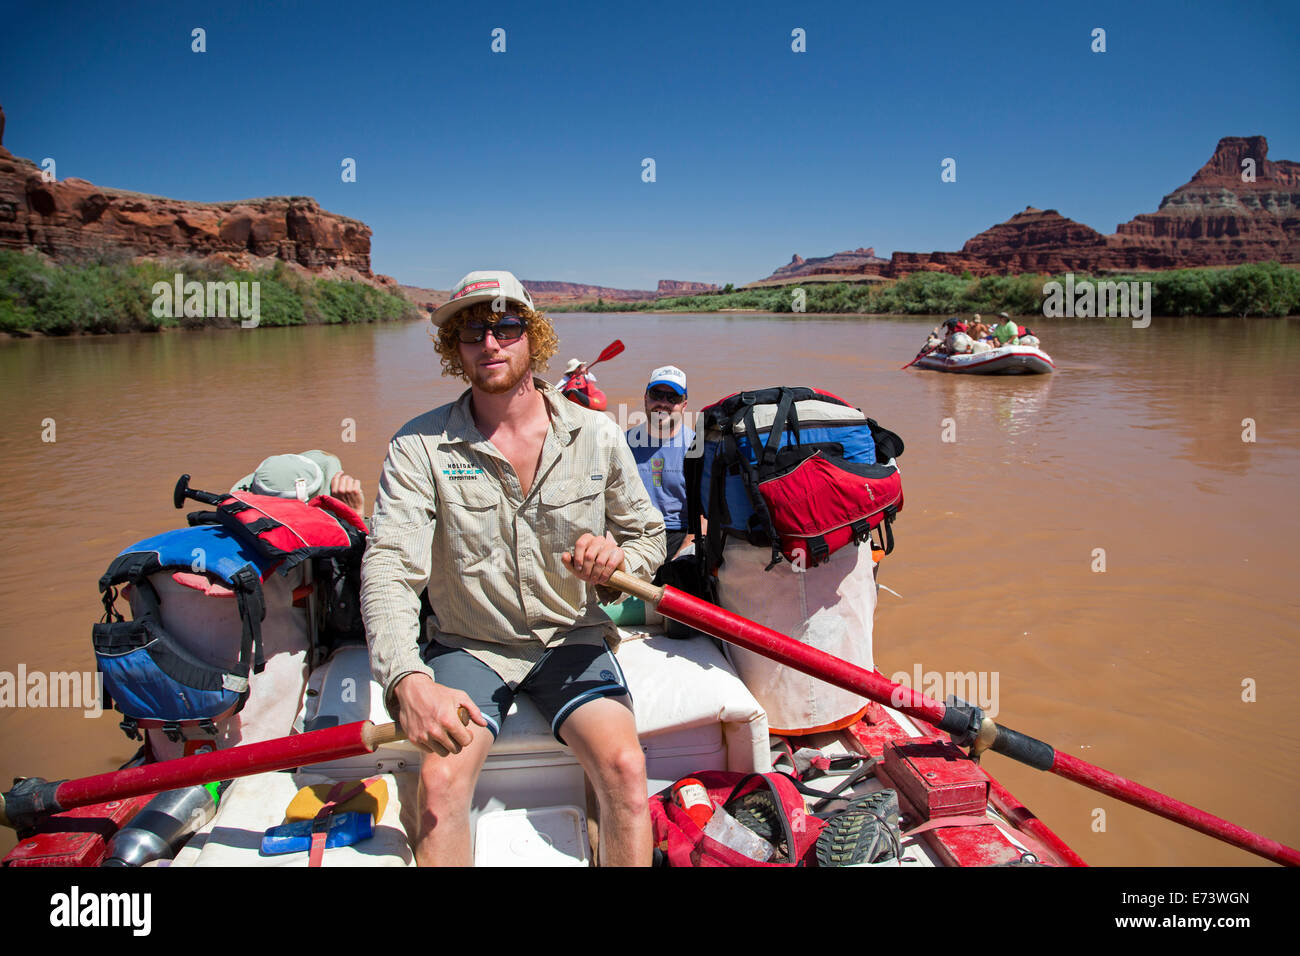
x,y
149,676
796,469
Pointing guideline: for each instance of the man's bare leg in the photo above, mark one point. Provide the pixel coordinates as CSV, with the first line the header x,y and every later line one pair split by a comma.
x,y
602,735
446,790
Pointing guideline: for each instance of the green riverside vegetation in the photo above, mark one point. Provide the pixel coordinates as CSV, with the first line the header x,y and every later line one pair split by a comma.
x,y
112,293
1265,289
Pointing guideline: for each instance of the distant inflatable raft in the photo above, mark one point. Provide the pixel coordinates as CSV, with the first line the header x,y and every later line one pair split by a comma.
x,y
588,396
1008,360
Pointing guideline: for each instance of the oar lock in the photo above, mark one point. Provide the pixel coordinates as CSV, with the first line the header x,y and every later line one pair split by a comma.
x,y
29,801
967,725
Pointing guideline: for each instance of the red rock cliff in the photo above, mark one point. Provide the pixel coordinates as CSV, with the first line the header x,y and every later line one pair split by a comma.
x,y
1220,218
63,219
1215,219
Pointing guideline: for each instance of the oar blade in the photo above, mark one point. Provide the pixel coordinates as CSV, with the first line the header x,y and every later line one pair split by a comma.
x,y
614,348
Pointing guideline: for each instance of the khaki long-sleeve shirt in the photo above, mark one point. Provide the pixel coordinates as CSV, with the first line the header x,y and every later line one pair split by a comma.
x,y
450,515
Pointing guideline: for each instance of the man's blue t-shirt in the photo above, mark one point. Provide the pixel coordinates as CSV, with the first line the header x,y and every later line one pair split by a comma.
x,y
661,463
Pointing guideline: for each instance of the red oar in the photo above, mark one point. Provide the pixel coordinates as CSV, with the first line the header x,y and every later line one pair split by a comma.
x,y
968,725
612,349
32,799
919,355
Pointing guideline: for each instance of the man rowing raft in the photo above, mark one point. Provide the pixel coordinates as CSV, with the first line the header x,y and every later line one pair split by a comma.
x,y
479,502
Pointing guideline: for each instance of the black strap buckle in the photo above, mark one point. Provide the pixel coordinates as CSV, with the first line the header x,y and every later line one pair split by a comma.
x,y
173,731
131,728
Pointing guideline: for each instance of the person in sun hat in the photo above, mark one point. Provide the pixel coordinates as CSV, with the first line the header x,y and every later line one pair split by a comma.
x,y
576,367
303,476
508,509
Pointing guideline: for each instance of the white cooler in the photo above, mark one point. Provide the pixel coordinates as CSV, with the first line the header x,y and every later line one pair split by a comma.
x,y
693,713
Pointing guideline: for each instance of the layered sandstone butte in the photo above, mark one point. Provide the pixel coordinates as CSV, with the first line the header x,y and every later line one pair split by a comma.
x,y
74,217
855,261
1217,219
669,287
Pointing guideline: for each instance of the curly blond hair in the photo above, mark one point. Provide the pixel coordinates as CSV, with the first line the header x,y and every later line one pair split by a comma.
x,y
543,343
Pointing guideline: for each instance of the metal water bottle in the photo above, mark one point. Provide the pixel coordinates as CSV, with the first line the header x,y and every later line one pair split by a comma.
x,y
162,827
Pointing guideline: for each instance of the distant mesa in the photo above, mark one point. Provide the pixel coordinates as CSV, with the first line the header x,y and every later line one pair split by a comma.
x,y
855,260
1218,218
549,293
676,287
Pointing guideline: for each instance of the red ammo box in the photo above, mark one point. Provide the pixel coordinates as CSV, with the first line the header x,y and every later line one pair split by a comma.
x,y
936,776
76,837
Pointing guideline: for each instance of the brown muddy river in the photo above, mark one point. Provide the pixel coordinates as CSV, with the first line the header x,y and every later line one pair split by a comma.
x,y
1176,665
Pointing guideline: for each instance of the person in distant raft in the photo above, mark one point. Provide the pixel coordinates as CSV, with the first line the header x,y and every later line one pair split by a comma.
x,y
1007,333
511,506
577,374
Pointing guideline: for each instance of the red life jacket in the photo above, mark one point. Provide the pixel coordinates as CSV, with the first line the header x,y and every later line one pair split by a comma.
x,y
580,391
291,531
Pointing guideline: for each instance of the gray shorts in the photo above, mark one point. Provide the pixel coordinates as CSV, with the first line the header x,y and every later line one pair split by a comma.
x,y
565,678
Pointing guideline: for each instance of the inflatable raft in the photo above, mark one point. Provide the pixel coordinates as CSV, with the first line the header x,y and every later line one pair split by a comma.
x,y
588,396
1008,360
694,714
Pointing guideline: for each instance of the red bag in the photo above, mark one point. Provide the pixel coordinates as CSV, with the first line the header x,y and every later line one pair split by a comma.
x,y
823,503
683,841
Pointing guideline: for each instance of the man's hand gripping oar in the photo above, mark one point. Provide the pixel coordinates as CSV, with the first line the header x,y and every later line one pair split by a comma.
x,y
966,724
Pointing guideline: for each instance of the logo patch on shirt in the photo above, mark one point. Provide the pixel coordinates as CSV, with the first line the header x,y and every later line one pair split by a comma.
x,y
461,472
657,471
597,477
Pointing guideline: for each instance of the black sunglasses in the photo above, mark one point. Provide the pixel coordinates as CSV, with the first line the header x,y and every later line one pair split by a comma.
x,y
664,395
508,329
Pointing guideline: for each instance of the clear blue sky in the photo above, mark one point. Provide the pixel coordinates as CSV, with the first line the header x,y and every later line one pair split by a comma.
x,y
531,159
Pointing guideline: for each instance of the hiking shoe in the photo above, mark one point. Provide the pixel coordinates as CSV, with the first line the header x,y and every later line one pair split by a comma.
x,y
758,811
863,832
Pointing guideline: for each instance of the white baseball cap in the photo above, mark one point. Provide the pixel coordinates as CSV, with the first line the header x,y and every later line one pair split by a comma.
x,y
478,287
669,375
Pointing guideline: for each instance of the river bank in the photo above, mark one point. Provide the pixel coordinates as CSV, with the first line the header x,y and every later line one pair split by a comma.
x,y
113,293
1261,290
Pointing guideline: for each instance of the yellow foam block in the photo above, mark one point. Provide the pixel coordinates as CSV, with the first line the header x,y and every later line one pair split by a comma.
x,y
306,803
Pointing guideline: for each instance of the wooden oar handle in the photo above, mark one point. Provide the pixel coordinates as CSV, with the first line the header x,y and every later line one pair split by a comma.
x,y
377,735
635,586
